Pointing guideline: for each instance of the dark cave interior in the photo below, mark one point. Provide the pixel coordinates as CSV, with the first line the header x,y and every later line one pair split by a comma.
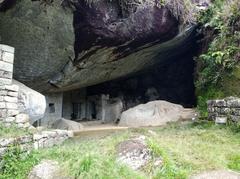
x,y
172,81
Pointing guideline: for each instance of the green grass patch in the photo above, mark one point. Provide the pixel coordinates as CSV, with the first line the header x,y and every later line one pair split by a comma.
x,y
185,149
13,131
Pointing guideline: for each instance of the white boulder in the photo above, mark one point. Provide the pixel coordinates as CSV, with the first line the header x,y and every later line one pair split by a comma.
x,y
30,102
154,113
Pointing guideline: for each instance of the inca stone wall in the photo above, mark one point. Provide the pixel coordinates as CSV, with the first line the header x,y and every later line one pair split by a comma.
x,y
9,112
224,110
35,141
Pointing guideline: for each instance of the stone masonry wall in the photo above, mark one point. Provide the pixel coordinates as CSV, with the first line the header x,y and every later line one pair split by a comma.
x,y
9,113
224,109
35,141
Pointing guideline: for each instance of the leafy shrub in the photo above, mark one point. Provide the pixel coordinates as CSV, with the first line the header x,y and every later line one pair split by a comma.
x,y
16,163
223,53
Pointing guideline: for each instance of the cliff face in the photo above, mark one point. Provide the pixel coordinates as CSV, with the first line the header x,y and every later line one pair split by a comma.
x,y
112,39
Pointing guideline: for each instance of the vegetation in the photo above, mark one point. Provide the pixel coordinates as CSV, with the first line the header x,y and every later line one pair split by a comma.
x,y
182,147
218,67
13,131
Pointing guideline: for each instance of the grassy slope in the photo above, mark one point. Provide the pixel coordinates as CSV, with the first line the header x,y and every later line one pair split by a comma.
x,y
185,149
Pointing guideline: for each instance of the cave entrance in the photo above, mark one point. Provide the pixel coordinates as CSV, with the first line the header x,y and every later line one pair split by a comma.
x,y
172,81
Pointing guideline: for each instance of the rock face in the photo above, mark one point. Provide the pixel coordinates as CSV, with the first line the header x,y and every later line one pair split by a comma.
x,y
109,40
47,169
42,35
154,113
30,102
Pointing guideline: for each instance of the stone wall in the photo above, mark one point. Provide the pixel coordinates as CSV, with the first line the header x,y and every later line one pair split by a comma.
x,y
9,113
222,110
35,141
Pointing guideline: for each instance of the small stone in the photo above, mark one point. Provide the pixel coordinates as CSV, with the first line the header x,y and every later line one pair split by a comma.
x,y
9,119
8,57
6,74
10,99
11,105
2,105
5,66
13,94
5,81
12,112
22,118
7,48
12,87
3,113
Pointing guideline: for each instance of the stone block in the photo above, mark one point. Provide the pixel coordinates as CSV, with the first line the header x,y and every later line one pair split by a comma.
x,y
221,119
6,74
11,105
3,92
12,94
234,118
5,81
22,118
3,113
5,66
6,48
10,99
233,102
9,119
12,112
8,57
14,88
1,98
2,105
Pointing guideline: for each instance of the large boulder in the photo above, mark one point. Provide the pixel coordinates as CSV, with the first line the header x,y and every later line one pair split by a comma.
x,y
154,113
30,102
66,124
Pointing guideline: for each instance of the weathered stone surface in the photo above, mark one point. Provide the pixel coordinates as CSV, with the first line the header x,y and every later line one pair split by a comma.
x,y
8,57
134,153
13,94
13,88
7,48
6,74
4,81
228,108
11,105
6,66
44,38
113,44
154,113
12,112
22,118
66,125
30,102
47,169
11,99
2,105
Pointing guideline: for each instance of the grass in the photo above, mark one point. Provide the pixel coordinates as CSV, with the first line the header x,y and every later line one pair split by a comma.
x,y
185,149
13,131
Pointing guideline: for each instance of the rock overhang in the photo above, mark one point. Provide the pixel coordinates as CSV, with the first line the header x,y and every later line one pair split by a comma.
x,y
110,42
